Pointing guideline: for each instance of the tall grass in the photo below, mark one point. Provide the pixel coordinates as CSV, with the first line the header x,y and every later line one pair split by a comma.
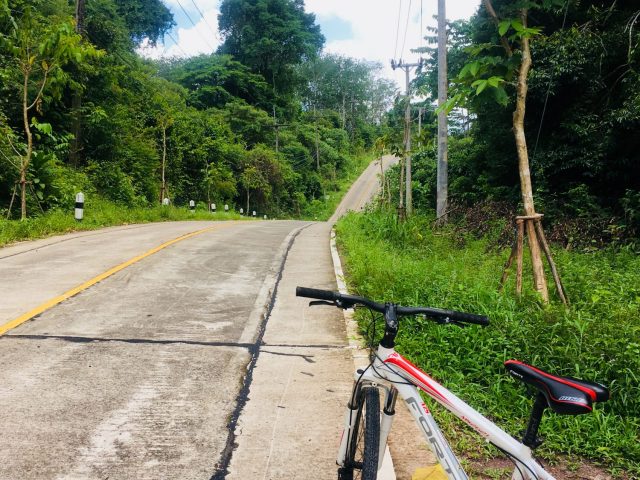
x,y
597,339
99,213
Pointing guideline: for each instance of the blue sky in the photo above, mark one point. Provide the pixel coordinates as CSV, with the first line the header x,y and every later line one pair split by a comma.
x,y
365,29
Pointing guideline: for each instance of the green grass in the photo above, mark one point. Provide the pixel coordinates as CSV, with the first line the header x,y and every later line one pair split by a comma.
x,y
99,213
598,338
322,209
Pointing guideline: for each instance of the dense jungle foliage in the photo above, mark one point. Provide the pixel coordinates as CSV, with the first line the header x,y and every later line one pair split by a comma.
x,y
582,117
253,125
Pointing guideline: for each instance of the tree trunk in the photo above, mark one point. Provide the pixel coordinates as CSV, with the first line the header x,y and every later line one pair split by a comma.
x,y
26,159
76,101
407,148
247,202
442,170
163,188
539,279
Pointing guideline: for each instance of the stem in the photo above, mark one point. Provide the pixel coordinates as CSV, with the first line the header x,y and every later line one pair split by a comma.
x,y
26,159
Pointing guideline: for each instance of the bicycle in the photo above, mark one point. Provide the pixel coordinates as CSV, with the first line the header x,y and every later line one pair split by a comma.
x,y
366,429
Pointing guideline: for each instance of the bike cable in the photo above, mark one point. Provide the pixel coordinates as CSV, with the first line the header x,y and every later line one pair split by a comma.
x,y
515,460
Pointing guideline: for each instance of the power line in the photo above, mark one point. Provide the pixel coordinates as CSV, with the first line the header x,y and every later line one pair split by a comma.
x,y
194,24
395,50
420,34
406,29
177,44
546,98
205,20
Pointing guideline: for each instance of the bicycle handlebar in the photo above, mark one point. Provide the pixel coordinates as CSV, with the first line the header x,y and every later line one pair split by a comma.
x,y
347,301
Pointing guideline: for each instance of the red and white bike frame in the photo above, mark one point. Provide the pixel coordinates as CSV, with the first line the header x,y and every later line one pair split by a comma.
x,y
397,376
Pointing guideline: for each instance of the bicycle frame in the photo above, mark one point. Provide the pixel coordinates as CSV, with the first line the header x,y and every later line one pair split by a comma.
x,y
398,376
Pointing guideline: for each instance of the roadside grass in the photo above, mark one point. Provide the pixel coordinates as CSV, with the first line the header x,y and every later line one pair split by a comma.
x,y
322,209
597,338
99,213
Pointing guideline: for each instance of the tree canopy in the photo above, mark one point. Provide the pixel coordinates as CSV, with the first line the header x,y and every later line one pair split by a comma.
x,y
200,128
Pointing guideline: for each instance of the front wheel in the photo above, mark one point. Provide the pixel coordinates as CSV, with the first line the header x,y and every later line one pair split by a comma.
x,y
361,462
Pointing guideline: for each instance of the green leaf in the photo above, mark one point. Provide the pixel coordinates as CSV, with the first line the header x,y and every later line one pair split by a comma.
x,y
500,96
45,128
503,26
474,67
464,71
495,81
517,25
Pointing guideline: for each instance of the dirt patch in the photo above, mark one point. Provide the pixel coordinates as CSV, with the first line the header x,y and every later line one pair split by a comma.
x,y
561,469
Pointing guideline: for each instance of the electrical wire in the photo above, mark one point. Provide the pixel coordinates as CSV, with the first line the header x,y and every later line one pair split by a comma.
x,y
177,44
213,31
406,29
194,24
395,50
420,37
546,99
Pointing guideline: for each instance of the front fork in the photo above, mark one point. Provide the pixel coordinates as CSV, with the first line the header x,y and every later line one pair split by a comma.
x,y
386,420
351,416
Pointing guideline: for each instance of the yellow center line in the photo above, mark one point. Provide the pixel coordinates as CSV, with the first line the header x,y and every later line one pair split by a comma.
x,y
74,291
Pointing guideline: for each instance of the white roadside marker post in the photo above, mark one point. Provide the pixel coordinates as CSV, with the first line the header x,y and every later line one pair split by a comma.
x,y
192,206
254,214
265,217
165,201
226,208
79,211
241,211
213,208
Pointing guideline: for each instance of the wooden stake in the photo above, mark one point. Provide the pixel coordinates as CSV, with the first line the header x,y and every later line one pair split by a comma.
x,y
554,271
514,251
15,188
519,248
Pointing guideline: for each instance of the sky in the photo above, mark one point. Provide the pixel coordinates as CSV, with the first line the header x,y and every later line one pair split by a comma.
x,y
376,30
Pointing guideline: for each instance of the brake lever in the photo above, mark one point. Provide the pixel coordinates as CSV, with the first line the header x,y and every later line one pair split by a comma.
x,y
321,302
344,305
448,321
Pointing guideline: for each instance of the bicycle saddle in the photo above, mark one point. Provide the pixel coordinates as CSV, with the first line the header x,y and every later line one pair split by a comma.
x,y
564,395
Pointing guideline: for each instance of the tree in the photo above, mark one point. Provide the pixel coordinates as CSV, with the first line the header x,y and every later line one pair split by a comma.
x,y
489,73
166,102
270,37
214,80
38,49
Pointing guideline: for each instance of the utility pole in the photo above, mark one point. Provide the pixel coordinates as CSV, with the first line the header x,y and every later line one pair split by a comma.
x,y
442,174
315,123
276,127
407,133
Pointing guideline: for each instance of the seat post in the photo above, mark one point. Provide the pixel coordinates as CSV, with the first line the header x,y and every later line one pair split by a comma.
x,y
531,438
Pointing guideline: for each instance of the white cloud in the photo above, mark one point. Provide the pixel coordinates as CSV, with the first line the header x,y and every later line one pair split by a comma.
x,y
375,22
203,38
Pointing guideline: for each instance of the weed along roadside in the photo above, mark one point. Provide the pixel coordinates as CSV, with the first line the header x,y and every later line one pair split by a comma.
x,y
595,339
99,213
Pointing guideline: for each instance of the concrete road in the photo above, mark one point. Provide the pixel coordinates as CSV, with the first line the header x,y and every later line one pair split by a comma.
x,y
136,376
194,362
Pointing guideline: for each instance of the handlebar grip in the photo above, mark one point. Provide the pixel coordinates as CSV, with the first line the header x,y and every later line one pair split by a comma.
x,y
468,318
317,294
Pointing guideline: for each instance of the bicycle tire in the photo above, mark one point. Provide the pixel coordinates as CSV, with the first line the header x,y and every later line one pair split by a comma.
x,y
361,462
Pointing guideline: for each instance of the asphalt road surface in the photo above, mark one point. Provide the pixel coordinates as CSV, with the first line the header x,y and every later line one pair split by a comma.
x,y
137,375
